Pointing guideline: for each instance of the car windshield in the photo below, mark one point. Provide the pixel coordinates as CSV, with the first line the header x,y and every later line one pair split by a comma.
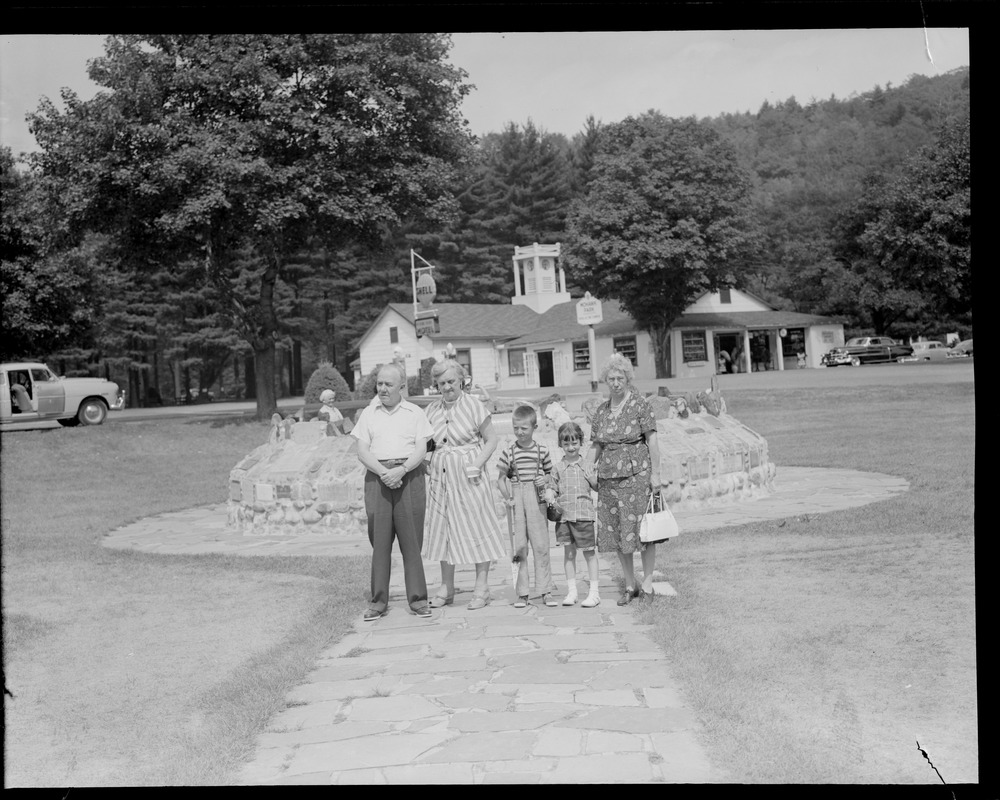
x,y
857,341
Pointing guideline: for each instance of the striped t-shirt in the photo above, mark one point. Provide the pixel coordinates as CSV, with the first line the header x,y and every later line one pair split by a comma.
x,y
528,461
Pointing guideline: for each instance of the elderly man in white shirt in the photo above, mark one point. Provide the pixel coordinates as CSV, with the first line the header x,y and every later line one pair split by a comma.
x,y
392,436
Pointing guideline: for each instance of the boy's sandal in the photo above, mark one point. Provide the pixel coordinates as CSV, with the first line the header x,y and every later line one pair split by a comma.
x,y
521,602
549,600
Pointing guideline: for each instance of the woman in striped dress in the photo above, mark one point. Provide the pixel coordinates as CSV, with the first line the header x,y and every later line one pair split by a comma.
x,y
461,525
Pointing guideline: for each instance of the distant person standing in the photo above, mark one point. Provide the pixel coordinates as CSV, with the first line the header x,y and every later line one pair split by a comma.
x,y
738,363
725,362
392,436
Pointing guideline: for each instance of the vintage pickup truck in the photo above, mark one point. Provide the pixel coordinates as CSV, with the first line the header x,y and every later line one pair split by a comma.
x,y
31,392
866,350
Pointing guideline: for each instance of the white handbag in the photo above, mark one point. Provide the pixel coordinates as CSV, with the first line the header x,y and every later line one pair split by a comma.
x,y
658,523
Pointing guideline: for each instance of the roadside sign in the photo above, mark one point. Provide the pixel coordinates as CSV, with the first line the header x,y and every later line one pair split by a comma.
x,y
589,311
427,325
426,290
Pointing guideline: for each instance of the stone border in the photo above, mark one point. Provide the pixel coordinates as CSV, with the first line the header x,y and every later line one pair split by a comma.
x,y
798,490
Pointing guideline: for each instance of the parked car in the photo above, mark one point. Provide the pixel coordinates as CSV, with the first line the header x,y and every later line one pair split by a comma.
x,y
926,351
866,350
30,391
961,350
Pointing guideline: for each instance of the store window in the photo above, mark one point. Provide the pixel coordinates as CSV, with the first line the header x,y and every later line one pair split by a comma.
x,y
793,341
693,346
393,335
581,356
626,346
515,361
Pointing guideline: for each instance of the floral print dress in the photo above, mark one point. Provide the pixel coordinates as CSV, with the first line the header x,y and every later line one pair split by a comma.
x,y
623,472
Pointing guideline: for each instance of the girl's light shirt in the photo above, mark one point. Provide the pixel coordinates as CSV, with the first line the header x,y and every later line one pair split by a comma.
x,y
573,492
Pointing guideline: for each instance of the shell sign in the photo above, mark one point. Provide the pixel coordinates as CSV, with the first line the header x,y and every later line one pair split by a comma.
x,y
426,290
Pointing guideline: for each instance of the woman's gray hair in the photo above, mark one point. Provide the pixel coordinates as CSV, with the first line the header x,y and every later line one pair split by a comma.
x,y
441,367
616,361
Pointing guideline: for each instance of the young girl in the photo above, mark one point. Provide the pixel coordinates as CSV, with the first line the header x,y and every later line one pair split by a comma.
x,y
573,481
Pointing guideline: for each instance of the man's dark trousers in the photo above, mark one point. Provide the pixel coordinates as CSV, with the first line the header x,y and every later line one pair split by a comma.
x,y
397,514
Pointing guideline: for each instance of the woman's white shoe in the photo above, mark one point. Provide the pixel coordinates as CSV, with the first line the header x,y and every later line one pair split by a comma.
x,y
593,598
571,597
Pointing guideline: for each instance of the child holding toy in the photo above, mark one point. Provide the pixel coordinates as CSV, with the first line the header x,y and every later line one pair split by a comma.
x,y
524,475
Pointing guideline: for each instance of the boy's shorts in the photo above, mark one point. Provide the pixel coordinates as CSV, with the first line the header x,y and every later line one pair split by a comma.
x,y
580,533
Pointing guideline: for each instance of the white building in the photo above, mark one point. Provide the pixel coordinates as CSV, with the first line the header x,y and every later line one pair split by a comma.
x,y
537,342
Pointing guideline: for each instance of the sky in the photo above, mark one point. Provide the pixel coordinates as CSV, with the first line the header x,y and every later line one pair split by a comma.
x,y
558,79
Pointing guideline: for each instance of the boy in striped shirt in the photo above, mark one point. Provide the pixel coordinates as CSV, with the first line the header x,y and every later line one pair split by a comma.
x,y
524,469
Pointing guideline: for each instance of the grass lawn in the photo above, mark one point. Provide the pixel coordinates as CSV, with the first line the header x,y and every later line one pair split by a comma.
x,y
821,650
136,669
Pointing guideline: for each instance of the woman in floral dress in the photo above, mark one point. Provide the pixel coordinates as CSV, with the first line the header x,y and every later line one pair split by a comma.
x,y
625,450
461,525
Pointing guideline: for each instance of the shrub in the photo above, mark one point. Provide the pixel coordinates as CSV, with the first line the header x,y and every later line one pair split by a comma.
x,y
413,385
426,380
326,376
366,389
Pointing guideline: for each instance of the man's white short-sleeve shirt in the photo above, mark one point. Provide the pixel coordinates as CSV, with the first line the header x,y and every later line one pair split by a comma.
x,y
392,434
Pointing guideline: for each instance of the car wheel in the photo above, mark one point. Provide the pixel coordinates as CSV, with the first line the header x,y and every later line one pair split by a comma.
x,y
855,362
92,412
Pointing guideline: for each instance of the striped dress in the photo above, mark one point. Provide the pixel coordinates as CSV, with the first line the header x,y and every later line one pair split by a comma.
x,y
461,525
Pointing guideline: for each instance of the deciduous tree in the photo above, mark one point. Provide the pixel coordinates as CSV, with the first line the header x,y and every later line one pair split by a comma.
x,y
907,241
50,293
921,233
666,218
203,145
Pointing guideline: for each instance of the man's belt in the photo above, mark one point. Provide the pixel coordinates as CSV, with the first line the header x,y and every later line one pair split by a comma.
x,y
392,462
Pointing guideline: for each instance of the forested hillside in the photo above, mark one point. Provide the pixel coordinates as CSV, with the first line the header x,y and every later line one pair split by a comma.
x,y
810,164
857,207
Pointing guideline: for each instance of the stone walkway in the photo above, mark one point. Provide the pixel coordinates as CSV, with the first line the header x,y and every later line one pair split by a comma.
x,y
500,695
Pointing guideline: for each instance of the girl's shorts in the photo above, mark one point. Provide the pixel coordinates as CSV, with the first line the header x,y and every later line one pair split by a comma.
x,y
580,533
